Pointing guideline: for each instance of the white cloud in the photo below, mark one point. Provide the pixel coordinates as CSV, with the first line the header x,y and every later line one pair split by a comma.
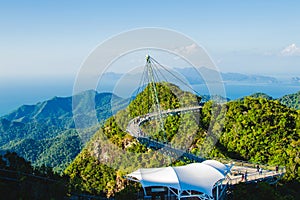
x,y
291,50
189,49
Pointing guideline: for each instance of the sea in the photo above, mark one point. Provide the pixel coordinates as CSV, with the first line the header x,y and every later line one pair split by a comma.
x,y
13,96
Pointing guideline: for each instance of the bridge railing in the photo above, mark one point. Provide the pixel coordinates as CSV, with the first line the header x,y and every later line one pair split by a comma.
x,y
250,164
255,177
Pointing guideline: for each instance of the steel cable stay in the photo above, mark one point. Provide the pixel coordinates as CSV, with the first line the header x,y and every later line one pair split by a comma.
x,y
153,73
176,77
153,79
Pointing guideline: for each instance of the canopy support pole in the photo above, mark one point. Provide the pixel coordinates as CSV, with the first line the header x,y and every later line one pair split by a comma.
x,y
179,194
217,195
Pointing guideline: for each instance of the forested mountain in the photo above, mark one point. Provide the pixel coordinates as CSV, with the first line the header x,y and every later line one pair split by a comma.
x,y
261,95
261,131
291,100
45,133
253,129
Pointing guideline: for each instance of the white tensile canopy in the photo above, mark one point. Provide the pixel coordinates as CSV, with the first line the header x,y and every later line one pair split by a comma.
x,y
199,177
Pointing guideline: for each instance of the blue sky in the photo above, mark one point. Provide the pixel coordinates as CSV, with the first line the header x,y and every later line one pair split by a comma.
x,y
48,40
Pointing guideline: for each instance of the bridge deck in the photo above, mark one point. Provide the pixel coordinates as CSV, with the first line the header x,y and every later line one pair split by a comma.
x,y
236,177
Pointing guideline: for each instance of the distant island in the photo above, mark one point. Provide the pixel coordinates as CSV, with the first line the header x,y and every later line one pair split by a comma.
x,y
195,76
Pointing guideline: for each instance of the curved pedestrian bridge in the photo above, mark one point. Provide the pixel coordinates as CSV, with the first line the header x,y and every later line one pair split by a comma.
x,y
240,171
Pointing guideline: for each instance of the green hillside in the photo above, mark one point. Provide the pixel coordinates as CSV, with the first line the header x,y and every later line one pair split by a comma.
x,y
45,133
260,131
291,100
261,95
254,129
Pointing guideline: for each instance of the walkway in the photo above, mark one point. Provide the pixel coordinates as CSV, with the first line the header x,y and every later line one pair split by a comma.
x,y
237,174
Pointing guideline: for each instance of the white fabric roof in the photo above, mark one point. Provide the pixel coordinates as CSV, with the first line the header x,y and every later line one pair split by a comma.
x,y
199,177
224,169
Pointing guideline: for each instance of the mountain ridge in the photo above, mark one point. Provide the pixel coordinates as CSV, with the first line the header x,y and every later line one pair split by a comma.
x,y
34,125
